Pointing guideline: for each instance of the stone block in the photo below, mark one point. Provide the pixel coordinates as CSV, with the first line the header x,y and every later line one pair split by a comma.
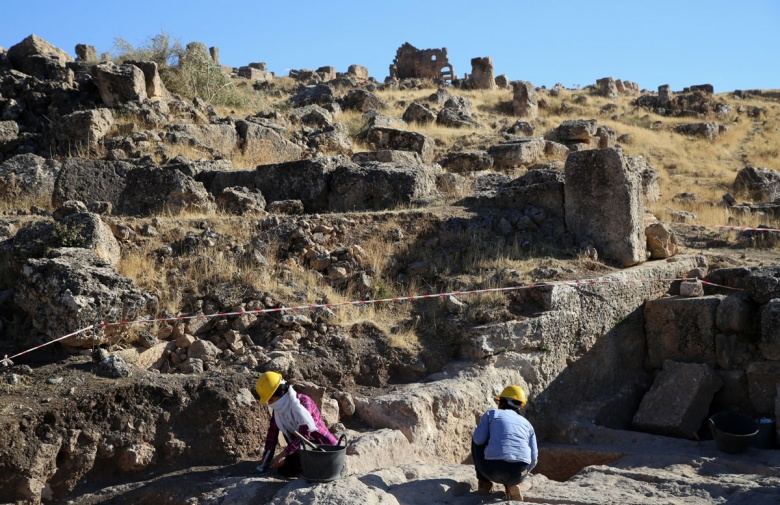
x,y
679,400
604,204
738,314
525,151
733,351
770,330
763,380
734,394
681,329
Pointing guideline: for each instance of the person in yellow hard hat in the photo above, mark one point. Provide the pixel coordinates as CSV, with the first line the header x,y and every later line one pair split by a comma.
x,y
292,412
504,445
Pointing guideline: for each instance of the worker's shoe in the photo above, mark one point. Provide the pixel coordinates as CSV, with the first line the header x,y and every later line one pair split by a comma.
x,y
485,487
513,493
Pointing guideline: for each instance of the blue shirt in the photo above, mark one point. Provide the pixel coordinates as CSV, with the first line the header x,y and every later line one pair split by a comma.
x,y
509,437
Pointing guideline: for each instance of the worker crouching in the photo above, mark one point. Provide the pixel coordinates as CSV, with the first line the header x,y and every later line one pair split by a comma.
x,y
292,412
504,445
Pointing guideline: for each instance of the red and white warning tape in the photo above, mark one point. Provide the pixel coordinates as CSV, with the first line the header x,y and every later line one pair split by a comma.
x,y
585,282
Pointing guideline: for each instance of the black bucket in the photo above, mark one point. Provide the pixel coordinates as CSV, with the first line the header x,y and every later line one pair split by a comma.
x,y
324,465
733,432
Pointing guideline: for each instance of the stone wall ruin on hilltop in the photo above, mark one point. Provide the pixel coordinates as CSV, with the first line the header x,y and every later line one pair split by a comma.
x,y
411,62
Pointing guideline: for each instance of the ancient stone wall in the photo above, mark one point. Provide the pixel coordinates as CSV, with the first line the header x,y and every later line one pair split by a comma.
x,y
411,62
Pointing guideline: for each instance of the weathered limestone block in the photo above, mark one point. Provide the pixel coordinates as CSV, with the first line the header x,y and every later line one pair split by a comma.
x,y
90,181
95,235
388,156
524,101
738,313
23,54
607,87
691,288
304,180
482,73
153,190
762,184
266,143
763,380
383,448
119,83
761,284
155,89
362,100
708,130
770,330
467,161
577,130
679,400
390,138
525,151
419,113
83,128
380,186
28,175
681,329
358,71
73,288
543,189
661,241
604,204
221,137
733,351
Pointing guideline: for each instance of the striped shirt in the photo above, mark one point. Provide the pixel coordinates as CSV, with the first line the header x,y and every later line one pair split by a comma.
x,y
322,436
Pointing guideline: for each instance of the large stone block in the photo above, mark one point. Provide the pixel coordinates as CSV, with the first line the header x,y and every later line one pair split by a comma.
x,y
524,101
543,189
120,83
681,329
90,181
679,400
23,55
770,330
604,204
379,186
739,314
390,138
734,395
305,180
763,380
525,151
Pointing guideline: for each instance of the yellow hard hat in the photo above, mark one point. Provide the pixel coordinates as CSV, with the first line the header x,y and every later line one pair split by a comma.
x,y
513,393
267,384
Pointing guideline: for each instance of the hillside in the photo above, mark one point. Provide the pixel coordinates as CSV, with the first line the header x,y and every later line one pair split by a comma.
x,y
169,232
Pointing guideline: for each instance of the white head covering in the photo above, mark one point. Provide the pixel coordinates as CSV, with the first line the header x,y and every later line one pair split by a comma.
x,y
289,414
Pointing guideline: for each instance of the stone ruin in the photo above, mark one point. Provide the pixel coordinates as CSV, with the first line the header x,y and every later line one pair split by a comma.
x,y
411,62
610,87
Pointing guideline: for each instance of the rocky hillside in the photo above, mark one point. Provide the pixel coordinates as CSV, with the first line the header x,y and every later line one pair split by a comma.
x,y
165,244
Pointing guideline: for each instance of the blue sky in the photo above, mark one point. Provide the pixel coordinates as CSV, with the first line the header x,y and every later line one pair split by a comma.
x,y
729,44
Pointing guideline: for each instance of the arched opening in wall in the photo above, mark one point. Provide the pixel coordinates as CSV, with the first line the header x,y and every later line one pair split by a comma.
x,y
433,57
446,72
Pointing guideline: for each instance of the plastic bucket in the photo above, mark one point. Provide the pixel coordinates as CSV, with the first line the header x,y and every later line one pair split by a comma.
x,y
324,465
733,432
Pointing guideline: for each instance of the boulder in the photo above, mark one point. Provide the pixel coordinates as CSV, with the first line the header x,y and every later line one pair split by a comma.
x,y
321,94
521,152
678,401
452,117
661,241
27,176
577,130
681,329
467,161
240,200
607,88
761,284
708,130
358,72
154,190
119,83
24,54
95,235
363,101
604,204
311,115
90,181
220,137
760,184
419,113
72,289
524,101
330,141
391,138
542,189
305,180
482,73
9,135
83,129
155,89
264,143
380,186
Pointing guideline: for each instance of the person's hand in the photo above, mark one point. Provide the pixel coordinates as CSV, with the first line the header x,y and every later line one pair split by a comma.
x,y
278,460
